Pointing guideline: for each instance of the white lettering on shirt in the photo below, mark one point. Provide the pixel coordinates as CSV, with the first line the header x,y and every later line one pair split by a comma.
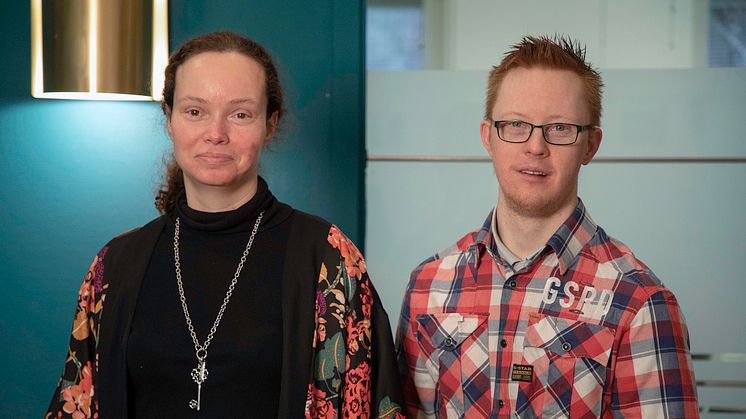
x,y
550,294
587,296
569,287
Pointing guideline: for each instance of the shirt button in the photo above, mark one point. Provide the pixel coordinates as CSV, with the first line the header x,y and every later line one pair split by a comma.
x,y
449,342
503,343
513,284
566,346
500,403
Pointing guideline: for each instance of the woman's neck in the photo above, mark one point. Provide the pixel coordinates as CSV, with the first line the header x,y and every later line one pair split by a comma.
x,y
208,198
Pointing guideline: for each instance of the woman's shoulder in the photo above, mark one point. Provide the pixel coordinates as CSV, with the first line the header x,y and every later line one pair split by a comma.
x,y
137,235
310,231
308,226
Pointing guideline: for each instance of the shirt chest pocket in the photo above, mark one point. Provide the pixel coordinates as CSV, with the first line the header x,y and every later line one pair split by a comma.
x,y
569,361
453,348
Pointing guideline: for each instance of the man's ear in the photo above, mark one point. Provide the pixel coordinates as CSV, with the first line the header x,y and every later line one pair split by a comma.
x,y
594,143
485,128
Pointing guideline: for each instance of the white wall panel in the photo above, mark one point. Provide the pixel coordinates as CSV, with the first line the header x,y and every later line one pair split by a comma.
x,y
685,220
628,34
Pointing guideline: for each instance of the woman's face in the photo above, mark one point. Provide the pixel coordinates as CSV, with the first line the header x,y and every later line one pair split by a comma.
x,y
219,122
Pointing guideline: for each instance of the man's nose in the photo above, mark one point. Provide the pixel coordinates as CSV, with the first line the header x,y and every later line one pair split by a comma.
x,y
536,143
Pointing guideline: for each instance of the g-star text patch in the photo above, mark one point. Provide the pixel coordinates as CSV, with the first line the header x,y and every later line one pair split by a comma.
x,y
522,373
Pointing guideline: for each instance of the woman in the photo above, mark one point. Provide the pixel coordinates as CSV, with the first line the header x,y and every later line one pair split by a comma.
x,y
231,304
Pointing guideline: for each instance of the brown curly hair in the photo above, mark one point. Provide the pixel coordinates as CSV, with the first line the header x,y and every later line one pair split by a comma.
x,y
173,183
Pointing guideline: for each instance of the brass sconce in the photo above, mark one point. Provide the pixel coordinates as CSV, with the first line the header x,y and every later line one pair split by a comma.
x,y
98,49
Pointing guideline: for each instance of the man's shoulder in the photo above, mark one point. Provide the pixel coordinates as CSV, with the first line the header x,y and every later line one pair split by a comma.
x,y
449,257
616,259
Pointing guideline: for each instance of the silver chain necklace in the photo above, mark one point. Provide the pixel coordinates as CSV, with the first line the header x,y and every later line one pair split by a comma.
x,y
199,374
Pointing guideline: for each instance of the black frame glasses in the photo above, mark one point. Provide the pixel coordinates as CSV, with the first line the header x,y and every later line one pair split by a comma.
x,y
499,125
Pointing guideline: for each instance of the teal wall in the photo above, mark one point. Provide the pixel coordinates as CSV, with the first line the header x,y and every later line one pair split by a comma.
x,y
75,173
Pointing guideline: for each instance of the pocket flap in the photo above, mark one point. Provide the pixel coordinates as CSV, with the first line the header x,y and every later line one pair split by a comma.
x,y
447,330
570,337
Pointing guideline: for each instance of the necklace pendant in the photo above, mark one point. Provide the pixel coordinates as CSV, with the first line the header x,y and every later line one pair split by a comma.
x,y
195,404
199,375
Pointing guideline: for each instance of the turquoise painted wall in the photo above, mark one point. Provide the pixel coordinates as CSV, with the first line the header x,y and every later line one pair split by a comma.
x,y
75,173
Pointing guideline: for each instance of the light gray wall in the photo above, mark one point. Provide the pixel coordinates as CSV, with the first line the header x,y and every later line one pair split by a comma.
x,y
473,34
685,220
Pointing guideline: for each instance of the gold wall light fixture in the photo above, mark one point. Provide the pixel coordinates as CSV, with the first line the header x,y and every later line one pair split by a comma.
x,y
98,49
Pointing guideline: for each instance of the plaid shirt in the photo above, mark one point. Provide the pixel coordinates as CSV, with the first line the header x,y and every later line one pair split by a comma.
x,y
583,329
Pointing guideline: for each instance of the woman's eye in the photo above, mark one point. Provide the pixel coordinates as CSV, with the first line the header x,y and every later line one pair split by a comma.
x,y
243,116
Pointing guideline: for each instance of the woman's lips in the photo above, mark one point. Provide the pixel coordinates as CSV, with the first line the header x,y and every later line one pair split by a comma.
x,y
215,158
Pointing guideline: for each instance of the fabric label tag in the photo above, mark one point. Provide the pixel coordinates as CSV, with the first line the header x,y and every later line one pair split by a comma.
x,y
522,373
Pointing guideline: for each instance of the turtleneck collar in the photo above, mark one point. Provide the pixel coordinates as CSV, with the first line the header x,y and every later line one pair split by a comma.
x,y
234,221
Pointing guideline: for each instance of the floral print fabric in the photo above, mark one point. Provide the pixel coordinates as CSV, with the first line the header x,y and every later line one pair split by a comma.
x,y
75,394
341,385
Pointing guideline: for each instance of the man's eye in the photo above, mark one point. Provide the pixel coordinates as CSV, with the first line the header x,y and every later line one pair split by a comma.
x,y
242,115
516,124
193,112
560,128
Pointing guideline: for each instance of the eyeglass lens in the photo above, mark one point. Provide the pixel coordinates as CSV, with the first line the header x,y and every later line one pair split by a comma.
x,y
519,131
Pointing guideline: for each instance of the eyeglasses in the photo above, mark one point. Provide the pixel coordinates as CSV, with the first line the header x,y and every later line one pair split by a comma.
x,y
559,133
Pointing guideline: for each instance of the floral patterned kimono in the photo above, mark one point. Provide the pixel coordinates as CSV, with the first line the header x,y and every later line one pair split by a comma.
x,y
338,358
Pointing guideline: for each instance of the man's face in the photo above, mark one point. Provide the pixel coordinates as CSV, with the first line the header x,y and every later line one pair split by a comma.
x,y
538,179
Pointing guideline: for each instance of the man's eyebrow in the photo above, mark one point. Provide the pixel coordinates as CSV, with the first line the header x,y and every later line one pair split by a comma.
x,y
553,118
514,115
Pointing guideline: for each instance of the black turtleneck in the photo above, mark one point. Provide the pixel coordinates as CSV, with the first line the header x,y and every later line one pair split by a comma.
x,y
245,356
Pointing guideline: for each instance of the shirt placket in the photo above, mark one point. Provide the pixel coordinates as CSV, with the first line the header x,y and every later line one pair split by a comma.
x,y
496,275
508,294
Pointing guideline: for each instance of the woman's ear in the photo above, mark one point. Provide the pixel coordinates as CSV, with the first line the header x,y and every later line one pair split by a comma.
x,y
271,127
168,120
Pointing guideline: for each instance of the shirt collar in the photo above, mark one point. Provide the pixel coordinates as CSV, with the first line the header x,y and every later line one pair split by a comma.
x,y
566,242
502,249
572,236
483,238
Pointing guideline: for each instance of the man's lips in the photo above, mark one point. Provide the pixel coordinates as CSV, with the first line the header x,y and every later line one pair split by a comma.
x,y
533,172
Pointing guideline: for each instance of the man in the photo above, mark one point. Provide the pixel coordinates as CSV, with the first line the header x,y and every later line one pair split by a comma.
x,y
539,313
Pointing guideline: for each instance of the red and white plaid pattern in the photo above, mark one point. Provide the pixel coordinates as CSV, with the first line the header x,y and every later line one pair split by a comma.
x,y
593,330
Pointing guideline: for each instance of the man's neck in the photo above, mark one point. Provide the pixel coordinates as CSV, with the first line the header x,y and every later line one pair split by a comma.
x,y
523,234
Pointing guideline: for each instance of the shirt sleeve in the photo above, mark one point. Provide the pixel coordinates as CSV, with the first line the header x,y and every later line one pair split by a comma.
x,y
407,354
75,395
653,373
